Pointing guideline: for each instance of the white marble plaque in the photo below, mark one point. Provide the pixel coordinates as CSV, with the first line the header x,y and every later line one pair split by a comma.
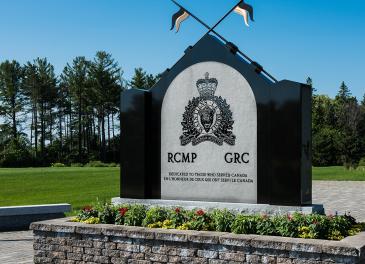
x,y
209,136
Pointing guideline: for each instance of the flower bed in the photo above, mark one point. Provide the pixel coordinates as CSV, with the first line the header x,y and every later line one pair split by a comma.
x,y
311,226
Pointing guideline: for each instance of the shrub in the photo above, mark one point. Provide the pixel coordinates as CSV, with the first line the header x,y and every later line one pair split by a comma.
x,y
199,220
222,220
58,165
107,214
113,164
177,216
76,165
96,163
362,162
285,225
265,226
134,215
245,224
154,215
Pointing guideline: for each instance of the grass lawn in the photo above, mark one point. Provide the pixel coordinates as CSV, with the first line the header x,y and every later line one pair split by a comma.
x,y
77,186
83,186
338,173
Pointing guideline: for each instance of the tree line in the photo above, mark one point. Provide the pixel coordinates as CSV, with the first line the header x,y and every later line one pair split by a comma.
x,y
70,118
74,117
338,129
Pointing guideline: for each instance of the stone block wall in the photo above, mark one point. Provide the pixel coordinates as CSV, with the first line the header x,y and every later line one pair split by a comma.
x,y
60,241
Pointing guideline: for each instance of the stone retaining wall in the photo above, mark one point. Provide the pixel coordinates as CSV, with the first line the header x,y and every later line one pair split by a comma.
x,y
59,241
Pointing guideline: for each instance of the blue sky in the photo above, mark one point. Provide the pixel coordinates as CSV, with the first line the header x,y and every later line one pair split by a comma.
x,y
292,39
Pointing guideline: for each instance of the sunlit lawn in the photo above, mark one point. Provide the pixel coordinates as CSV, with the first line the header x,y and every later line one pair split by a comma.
x,y
338,173
77,186
83,186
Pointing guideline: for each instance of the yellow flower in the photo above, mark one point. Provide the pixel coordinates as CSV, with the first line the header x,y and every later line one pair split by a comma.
x,y
155,225
184,226
92,220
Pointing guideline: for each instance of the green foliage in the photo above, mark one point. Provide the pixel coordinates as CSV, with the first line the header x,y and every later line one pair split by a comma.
x,y
177,216
312,226
107,214
199,220
222,220
16,154
265,226
96,163
245,224
362,162
87,212
143,80
58,165
78,165
338,129
135,215
153,215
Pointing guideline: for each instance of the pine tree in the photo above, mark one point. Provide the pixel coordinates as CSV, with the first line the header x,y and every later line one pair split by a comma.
x,y
76,78
11,94
105,76
309,82
344,93
139,79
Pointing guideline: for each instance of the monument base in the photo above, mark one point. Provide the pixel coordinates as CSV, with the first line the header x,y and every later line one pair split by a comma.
x,y
238,207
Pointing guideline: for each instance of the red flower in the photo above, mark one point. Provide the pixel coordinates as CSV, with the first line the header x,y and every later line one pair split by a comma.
x,y
123,210
289,217
200,212
87,208
177,210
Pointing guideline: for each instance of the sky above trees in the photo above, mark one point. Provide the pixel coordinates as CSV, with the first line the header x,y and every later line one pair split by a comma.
x,y
291,39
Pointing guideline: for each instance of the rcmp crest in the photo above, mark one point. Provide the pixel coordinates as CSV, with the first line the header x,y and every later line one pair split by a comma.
x,y
207,117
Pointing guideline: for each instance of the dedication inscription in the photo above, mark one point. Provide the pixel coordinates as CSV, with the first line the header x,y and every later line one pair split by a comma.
x,y
209,136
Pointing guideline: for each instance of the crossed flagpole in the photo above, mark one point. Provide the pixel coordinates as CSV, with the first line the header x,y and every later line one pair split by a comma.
x,y
240,8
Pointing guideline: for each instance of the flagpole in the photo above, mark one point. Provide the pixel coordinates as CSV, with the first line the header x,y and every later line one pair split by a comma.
x,y
230,11
221,37
196,18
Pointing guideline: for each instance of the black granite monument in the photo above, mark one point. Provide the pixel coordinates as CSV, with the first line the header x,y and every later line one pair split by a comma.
x,y
216,128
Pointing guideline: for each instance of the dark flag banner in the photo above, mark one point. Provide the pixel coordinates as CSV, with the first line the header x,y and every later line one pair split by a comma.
x,y
178,18
244,10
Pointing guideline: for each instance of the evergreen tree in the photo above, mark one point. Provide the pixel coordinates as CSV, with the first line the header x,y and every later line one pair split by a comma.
x,y
11,95
105,76
344,93
76,78
139,79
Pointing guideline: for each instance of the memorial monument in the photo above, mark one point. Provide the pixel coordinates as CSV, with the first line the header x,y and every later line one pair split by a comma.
x,y
217,128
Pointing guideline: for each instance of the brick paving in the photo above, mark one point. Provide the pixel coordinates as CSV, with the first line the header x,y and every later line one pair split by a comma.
x,y
341,196
17,247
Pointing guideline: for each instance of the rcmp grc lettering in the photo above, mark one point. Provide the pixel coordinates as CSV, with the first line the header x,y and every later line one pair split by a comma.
x,y
180,157
237,157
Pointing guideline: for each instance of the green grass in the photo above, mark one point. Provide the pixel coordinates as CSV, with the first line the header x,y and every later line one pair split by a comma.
x,y
338,173
77,186
83,186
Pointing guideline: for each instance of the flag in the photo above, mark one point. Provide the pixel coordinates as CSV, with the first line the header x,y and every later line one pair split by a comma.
x,y
244,10
178,18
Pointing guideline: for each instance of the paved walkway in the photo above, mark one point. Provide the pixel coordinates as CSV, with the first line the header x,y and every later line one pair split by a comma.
x,y
17,247
343,196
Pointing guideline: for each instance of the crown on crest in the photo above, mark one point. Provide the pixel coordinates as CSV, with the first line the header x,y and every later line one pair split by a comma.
x,y
206,87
